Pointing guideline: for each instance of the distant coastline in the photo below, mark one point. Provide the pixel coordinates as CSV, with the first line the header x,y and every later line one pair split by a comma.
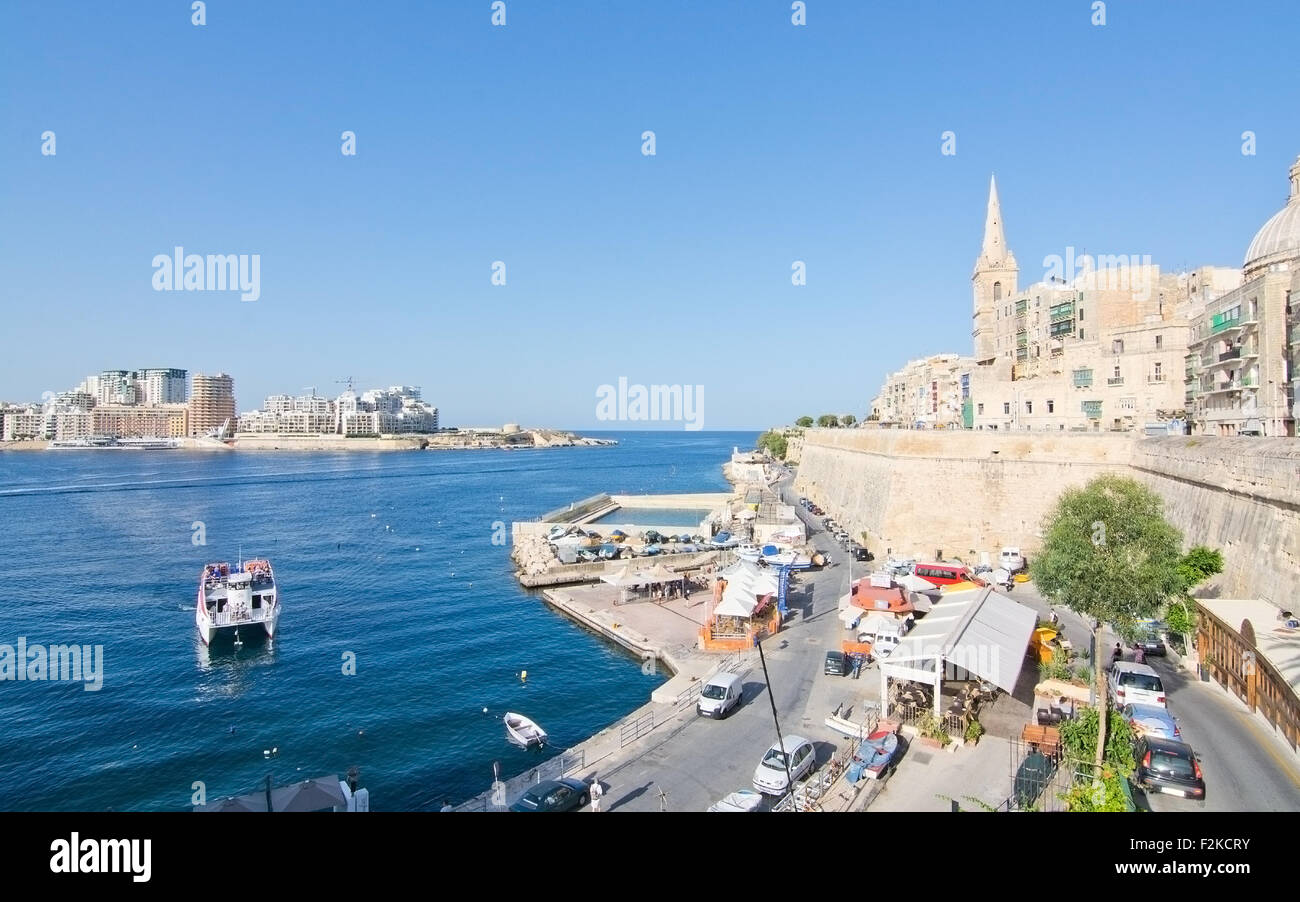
x,y
438,441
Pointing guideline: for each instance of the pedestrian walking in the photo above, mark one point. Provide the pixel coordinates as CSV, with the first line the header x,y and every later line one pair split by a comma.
x,y
596,793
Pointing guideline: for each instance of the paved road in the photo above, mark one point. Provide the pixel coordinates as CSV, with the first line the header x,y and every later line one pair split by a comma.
x,y
708,759
1246,768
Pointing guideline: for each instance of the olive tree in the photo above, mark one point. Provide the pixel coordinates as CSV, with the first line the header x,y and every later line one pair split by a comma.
x,y
1109,555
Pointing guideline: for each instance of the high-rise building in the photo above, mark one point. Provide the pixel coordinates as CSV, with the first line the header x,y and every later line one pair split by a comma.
x,y
212,404
161,386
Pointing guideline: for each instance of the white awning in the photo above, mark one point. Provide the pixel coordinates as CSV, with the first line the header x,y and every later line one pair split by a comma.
x,y
737,601
978,630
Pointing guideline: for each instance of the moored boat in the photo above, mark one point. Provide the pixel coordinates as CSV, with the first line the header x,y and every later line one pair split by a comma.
x,y
524,731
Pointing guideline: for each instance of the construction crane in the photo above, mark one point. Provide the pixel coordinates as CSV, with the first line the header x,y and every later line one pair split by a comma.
x,y
347,382
310,388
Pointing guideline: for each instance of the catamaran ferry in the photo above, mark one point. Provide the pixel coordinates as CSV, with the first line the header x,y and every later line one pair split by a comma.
x,y
241,597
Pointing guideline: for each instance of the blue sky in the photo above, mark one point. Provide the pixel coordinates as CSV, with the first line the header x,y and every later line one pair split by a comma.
x,y
522,144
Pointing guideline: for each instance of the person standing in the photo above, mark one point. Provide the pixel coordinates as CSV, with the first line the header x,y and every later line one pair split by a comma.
x,y
596,792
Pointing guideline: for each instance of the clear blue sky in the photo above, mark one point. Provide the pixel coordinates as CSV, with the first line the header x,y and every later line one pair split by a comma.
x,y
523,144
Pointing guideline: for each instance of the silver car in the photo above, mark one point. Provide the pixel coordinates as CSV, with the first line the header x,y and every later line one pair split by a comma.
x,y
770,775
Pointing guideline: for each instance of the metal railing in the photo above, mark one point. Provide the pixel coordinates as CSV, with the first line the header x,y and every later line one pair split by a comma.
x,y
561,765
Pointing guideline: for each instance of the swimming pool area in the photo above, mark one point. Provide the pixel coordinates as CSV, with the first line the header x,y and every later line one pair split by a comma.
x,y
655,516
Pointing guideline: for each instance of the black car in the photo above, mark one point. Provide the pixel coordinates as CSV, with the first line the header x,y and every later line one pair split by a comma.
x,y
554,795
836,665
1151,644
1168,766
860,553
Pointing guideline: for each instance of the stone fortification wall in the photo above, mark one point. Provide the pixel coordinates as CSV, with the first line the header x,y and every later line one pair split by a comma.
x,y
914,493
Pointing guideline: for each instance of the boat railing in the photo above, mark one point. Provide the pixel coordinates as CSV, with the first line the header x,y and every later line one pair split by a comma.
x,y
233,617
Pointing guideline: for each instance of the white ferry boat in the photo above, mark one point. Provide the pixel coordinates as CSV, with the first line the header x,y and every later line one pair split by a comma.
x,y
233,598
100,442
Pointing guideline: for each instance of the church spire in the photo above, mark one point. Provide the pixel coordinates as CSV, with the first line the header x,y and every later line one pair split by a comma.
x,y
995,252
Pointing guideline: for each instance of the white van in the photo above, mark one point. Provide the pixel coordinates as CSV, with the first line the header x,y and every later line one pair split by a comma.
x,y
1135,684
883,632
1012,560
720,695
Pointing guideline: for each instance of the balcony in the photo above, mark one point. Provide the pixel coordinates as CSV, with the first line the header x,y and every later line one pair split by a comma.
x,y
1156,379
1230,354
1062,312
1064,327
1115,380
1022,307
1233,385
1082,378
1091,409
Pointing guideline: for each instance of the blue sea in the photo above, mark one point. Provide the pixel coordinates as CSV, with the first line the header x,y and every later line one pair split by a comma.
x,y
383,558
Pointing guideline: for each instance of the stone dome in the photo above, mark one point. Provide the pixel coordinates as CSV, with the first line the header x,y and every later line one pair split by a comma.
x,y
1278,242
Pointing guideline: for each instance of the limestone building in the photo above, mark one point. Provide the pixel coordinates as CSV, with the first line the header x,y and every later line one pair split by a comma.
x,y
931,393
1244,354
1098,344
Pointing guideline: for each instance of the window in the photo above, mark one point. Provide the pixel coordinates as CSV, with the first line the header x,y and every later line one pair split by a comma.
x,y
1051,406
1006,407
1080,314
980,408
997,291
1160,343
1159,374
1029,407
1080,331
1116,373
1117,347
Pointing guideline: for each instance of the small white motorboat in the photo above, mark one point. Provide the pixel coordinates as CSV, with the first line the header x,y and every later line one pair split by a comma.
x,y
523,731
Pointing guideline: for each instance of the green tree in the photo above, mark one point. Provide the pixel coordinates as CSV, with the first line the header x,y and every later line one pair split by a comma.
x,y
1198,565
828,421
848,420
1078,740
1110,556
805,422
774,443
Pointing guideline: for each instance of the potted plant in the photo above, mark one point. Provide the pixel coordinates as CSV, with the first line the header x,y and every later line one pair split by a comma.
x,y
932,730
974,730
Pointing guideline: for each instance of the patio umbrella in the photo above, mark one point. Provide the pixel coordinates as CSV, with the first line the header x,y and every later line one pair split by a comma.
x,y
320,794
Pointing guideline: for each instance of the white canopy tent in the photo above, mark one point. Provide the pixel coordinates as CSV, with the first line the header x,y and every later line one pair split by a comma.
x,y
977,630
737,601
623,577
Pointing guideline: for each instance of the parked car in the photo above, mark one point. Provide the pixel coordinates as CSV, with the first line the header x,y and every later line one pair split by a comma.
x,y
860,553
836,665
770,775
1135,684
1151,644
720,695
1152,720
554,795
1168,766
